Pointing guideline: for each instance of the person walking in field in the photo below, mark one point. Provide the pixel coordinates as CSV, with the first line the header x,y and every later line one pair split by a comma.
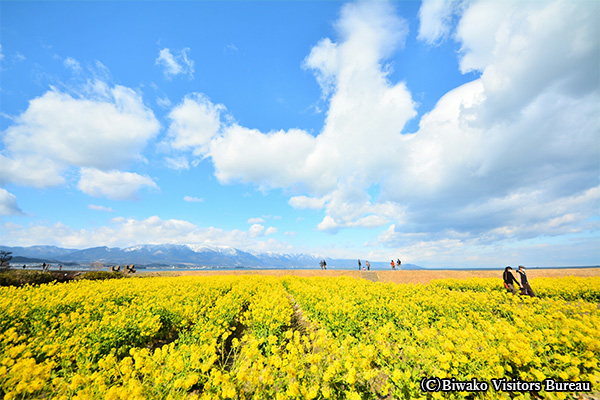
x,y
393,265
525,287
368,265
321,264
359,264
399,263
324,264
509,280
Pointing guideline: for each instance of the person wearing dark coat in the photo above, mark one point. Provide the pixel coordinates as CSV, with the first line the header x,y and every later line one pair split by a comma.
x,y
525,287
509,280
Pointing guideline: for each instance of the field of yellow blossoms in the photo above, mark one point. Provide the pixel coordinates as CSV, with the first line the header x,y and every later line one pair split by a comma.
x,y
262,337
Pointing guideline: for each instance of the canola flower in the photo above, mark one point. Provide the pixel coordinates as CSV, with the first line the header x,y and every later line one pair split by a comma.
x,y
259,337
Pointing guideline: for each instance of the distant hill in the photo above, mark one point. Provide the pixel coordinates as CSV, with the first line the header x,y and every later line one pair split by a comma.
x,y
182,256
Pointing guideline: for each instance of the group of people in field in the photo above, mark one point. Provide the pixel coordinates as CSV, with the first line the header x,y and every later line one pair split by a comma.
x,y
323,264
367,266
510,281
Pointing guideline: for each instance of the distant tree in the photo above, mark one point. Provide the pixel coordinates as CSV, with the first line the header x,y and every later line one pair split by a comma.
x,y
5,257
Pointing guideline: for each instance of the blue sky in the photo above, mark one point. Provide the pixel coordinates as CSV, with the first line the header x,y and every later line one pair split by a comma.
x,y
443,133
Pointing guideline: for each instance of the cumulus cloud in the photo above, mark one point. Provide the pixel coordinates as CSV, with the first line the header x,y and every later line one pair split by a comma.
x,y
113,185
366,114
31,170
256,230
102,127
175,62
509,43
194,122
248,155
123,232
434,24
521,136
305,202
256,220
8,203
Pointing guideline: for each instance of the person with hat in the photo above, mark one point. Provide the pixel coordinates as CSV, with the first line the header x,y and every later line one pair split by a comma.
x,y
509,280
525,287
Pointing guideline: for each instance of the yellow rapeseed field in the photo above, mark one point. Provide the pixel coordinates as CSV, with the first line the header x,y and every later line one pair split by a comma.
x,y
288,337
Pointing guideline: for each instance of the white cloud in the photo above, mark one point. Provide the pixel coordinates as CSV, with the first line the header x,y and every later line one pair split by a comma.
x,y
522,136
230,49
509,43
123,232
103,127
72,64
364,121
114,185
435,20
177,163
274,159
192,199
256,221
271,230
31,170
194,122
163,102
175,62
12,59
100,208
8,203
256,230
305,202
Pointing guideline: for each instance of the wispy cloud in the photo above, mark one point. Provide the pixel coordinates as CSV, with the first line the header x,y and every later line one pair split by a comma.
x,y
72,64
192,199
230,49
177,163
175,62
100,208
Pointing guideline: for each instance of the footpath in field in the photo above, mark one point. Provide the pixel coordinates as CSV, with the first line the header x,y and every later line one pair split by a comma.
x,y
266,337
370,276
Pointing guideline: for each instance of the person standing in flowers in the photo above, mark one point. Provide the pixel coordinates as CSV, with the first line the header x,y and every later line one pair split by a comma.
x,y
509,280
525,287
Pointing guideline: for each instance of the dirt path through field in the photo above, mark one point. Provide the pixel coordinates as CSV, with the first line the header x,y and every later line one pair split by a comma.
x,y
369,275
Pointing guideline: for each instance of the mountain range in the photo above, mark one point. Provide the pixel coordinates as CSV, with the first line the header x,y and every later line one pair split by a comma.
x,y
183,255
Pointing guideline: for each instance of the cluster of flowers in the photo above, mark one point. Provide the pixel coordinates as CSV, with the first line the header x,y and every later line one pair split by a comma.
x,y
257,337
425,331
568,288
